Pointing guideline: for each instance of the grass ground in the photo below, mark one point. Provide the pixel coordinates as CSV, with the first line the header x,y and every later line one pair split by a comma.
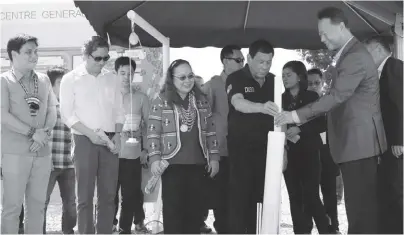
x,y
55,205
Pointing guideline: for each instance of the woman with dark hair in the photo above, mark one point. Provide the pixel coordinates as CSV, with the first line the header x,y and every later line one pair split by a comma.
x,y
302,175
181,134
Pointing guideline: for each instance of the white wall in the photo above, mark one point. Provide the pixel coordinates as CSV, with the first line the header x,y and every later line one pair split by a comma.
x,y
55,25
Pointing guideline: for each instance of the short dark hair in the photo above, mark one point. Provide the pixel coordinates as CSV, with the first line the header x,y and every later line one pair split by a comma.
x,y
93,44
335,14
124,60
55,73
228,51
262,46
315,71
384,41
15,43
300,69
170,91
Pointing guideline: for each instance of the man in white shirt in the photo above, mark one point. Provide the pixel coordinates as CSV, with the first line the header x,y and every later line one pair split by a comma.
x,y
91,105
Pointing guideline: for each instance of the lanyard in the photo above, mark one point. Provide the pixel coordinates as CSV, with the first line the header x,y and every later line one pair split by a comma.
x,y
27,94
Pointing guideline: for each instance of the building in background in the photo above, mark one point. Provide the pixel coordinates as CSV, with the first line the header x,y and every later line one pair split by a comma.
x,y
60,28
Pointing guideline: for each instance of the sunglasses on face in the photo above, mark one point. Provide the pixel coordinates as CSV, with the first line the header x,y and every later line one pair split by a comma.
x,y
314,83
190,76
99,58
238,60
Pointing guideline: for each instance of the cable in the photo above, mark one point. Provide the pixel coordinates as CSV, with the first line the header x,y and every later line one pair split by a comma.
x,y
130,87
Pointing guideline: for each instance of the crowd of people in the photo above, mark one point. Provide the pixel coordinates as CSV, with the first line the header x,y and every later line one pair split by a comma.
x,y
207,141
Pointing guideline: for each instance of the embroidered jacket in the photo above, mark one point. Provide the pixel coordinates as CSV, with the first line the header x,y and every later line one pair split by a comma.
x,y
163,132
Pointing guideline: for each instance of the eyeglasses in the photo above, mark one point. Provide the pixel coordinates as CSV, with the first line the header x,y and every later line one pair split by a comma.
x,y
190,76
99,58
238,60
316,83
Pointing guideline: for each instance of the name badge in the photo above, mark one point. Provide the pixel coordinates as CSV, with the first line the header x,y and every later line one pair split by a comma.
x,y
249,89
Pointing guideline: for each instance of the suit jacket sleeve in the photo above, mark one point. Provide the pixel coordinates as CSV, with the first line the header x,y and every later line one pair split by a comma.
x,y
351,72
395,81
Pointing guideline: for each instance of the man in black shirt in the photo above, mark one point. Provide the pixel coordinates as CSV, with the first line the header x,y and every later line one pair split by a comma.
x,y
251,110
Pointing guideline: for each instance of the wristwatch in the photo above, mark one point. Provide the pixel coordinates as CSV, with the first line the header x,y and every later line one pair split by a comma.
x,y
31,132
48,132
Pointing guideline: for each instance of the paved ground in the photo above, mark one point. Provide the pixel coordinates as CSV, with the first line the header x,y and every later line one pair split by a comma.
x,y
54,214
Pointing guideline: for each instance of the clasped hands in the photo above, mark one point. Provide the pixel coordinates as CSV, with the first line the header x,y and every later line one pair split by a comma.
x,y
41,137
98,137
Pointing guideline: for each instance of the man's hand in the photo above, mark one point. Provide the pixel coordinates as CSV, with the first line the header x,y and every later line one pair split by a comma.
x,y
143,158
35,147
397,150
40,136
96,139
117,142
156,168
270,108
284,118
292,132
213,168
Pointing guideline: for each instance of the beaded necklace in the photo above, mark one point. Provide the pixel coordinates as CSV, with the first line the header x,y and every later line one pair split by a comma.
x,y
188,115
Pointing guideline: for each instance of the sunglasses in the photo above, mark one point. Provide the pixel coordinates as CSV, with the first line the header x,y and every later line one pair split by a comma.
x,y
238,60
99,58
317,83
190,76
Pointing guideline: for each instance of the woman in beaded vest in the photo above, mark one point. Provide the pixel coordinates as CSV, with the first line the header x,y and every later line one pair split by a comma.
x,y
181,134
302,175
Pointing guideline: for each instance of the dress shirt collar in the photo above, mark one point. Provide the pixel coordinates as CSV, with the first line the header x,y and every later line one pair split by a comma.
x,y
380,69
336,58
82,71
224,76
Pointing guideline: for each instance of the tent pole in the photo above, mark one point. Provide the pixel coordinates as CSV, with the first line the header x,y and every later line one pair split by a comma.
x,y
398,37
371,8
139,21
361,17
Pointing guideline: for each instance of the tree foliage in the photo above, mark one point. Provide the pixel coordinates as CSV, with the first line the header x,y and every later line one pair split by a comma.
x,y
317,58
320,59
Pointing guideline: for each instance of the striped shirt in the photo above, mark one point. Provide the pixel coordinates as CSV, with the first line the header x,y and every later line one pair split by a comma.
x,y
61,144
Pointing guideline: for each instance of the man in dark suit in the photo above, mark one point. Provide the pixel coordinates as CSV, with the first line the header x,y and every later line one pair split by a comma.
x,y
391,165
355,126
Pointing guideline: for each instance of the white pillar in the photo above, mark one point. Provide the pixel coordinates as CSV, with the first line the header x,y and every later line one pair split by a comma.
x,y
398,37
273,174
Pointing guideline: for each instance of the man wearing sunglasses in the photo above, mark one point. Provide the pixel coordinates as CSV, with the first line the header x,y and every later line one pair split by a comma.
x,y
91,103
232,60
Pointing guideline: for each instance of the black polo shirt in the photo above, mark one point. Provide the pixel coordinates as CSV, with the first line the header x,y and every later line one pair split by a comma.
x,y
248,127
